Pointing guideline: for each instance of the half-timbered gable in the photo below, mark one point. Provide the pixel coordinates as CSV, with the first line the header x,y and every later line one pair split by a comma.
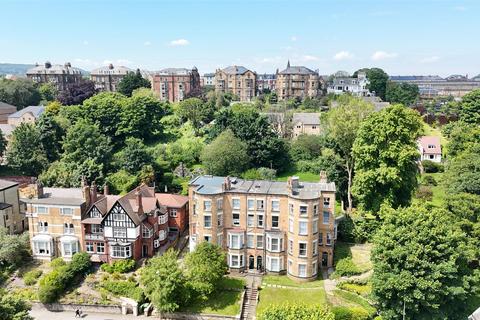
x,y
119,226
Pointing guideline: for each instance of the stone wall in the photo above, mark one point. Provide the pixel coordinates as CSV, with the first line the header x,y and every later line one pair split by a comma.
x,y
84,307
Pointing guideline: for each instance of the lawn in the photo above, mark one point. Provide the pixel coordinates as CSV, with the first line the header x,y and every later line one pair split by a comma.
x,y
436,132
304,176
286,281
349,299
277,296
360,254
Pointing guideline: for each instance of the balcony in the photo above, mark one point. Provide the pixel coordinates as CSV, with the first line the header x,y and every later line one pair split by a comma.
x,y
94,236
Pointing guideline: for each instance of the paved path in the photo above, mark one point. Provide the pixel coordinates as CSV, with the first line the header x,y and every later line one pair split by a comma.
x,y
42,314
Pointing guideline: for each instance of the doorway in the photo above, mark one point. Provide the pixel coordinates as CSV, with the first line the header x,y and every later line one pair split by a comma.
x,y
144,251
324,259
259,263
251,262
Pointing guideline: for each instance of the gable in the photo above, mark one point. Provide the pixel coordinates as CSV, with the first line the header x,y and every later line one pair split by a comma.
x,y
118,217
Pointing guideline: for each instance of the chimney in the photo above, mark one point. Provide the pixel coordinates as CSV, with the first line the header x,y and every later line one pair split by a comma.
x,y
94,192
39,189
48,65
86,192
323,177
106,191
295,181
68,64
138,196
110,66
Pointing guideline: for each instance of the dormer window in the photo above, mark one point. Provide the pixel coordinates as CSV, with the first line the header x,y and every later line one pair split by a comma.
x,y
431,146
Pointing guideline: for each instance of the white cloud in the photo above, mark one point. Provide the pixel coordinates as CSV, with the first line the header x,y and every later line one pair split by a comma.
x,y
85,42
179,42
343,55
147,43
431,59
293,38
382,55
307,58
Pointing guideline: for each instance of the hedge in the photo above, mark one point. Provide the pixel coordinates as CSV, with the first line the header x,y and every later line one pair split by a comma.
x,y
30,278
120,266
127,289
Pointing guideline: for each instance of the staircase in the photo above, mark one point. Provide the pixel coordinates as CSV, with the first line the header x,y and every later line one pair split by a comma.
x,y
249,306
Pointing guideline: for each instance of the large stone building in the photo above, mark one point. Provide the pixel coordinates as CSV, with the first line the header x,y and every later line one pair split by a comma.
x,y
174,84
208,79
237,80
342,82
305,123
297,81
60,76
12,218
266,82
107,78
277,227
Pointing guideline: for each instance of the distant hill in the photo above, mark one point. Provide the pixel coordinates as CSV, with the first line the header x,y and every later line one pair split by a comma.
x,y
15,68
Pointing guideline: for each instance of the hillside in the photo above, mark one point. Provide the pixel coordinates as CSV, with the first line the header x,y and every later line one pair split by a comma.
x,y
15,68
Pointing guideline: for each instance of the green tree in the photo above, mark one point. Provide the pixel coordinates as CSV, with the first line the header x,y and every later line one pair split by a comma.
x,y
131,82
461,137
225,155
14,248
48,92
297,312
306,147
134,156
377,81
62,174
122,181
404,93
342,124
425,268
469,108
51,135
205,267
463,173
20,93
187,148
13,307
164,282
385,152
196,111
3,144
25,152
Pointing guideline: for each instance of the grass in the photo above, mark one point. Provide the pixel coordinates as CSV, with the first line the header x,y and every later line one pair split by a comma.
x,y
286,281
354,299
277,296
304,176
438,191
221,302
360,254
436,132
361,289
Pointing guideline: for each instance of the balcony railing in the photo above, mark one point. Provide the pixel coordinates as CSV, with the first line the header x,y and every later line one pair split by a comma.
x,y
94,236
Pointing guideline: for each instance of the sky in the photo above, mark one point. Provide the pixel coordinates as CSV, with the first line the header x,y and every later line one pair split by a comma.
x,y
403,37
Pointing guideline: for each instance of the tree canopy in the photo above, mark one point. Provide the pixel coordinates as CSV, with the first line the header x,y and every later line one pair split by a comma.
x,y
132,81
469,107
377,81
404,93
76,93
20,93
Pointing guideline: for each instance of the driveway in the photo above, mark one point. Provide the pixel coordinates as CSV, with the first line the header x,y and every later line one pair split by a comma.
x,y
42,314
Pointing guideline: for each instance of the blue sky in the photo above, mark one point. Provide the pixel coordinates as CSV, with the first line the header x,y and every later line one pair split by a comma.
x,y
401,36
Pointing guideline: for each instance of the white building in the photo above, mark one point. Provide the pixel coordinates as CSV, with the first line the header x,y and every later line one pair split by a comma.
x,y
342,82
430,148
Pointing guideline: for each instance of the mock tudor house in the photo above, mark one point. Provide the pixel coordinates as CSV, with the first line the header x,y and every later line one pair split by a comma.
x,y
430,148
276,227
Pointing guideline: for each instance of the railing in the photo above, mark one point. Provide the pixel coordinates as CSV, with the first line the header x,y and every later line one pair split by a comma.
x,y
94,236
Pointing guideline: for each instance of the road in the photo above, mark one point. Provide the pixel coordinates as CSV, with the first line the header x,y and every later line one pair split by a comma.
x,y
42,314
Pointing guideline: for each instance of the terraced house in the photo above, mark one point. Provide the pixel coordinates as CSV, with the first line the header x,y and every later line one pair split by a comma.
x,y
237,80
276,227
297,82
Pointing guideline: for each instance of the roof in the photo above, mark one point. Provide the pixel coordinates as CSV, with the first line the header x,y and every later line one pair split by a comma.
x,y
209,75
7,107
174,71
171,200
306,190
297,70
426,141
307,118
235,70
475,315
6,129
59,196
416,78
5,184
111,69
54,69
36,111
4,205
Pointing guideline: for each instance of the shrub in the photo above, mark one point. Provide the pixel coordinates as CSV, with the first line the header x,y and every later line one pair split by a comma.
x,y
424,193
127,289
432,167
30,278
429,181
120,266
296,311
362,288
350,313
57,262
346,267
80,262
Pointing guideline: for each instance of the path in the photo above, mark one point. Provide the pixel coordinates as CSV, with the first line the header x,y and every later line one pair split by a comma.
x,y
328,284
43,314
249,307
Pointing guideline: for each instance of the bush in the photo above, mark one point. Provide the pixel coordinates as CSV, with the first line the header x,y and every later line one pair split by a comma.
x,y
127,289
80,262
346,267
429,181
432,167
120,266
350,313
30,278
57,262
424,193
296,311
362,288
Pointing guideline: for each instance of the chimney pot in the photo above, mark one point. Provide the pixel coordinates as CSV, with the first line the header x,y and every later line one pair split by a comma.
x,y
106,190
138,196
94,192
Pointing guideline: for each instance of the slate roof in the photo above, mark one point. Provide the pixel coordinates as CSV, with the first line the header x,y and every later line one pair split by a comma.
x,y
425,141
54,69
59,196
4,205
35,110
416,78
306,118
6,129
118,70
235,70
174,71
297,70
7,107
5,184
171,200
306,190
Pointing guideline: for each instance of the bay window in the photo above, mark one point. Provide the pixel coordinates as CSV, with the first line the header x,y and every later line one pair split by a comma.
x,y
235,241
121,251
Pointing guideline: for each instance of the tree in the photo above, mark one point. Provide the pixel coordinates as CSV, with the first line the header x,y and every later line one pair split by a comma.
x,y
20,93
385,153
13,307
76,93
164,282
306,147
3,144
225,155
187,148
404,93
461,137
205,267
14,248
25,152
122,181
51,135
463,173
424,269
297,312
469,108
134,156
132,81
48,92
377,81
196,111
342,125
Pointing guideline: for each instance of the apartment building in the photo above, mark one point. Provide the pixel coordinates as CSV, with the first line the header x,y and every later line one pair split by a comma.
x,y
276,227
107,78
174,84
134,226
60,76
236,80
266,82
208,79
297,81
342,83
12,218
54,220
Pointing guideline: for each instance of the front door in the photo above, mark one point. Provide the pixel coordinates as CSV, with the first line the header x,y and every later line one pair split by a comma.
x,y
259,263
324,259
144,251
251,262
